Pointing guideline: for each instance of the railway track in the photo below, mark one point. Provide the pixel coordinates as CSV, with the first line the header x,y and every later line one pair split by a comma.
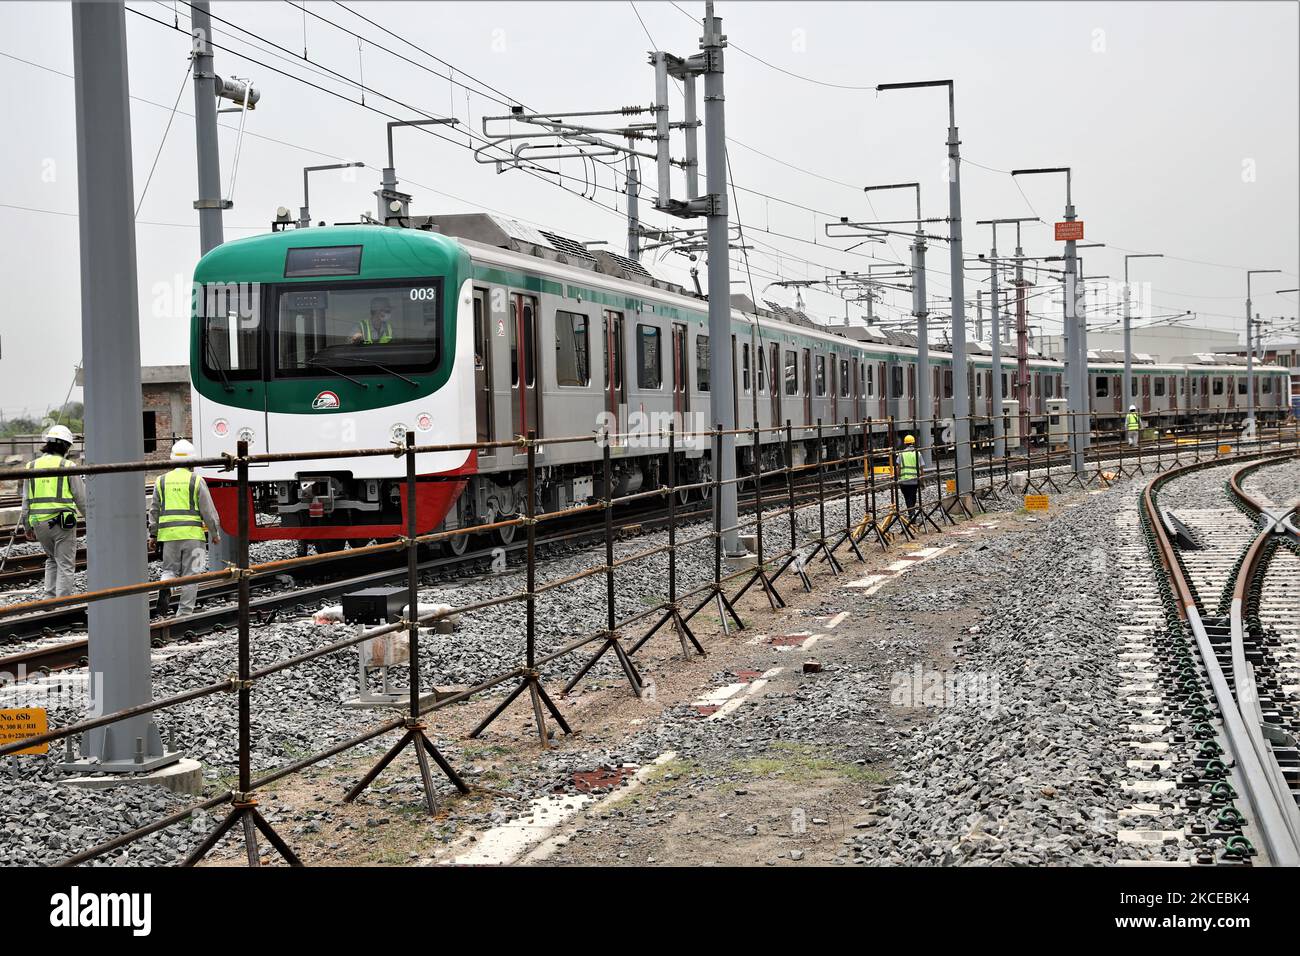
x,y
1219,693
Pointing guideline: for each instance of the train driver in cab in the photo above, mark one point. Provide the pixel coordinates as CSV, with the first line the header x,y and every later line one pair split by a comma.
x,y
376,329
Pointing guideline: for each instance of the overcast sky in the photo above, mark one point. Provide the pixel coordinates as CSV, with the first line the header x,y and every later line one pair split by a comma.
x,y
1179,120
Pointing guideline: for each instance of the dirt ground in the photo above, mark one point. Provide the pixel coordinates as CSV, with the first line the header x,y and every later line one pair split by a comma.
x,y
783,779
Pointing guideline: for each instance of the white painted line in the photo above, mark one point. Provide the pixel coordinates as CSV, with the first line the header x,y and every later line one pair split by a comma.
x,y
509,842
836,619
753,688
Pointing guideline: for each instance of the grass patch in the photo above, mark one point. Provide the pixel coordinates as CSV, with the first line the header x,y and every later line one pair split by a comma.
x,y
803,763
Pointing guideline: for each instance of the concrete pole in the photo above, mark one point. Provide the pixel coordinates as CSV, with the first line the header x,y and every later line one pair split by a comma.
x,y
924,404
110,338
979,315
1085,393
1022,344
995,330
1251,328
633,186
722,385
1074,398
1128,339
209,203
960,382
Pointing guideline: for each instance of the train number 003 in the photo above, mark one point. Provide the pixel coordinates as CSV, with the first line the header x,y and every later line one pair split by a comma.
x,y
421,294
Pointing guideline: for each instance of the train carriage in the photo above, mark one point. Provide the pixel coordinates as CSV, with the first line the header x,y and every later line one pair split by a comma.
x,y
481,329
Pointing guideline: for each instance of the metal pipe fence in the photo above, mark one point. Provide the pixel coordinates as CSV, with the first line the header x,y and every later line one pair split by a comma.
x,y
817,469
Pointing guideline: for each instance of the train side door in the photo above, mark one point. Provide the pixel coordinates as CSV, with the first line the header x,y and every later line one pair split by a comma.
x,y
523,368
774,382
834,363
807,387
1146,394
1232,391
615,384
911,391
482,367
882,390
681,379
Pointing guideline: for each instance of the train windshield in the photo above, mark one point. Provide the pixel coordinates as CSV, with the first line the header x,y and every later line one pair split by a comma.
x,y
352,329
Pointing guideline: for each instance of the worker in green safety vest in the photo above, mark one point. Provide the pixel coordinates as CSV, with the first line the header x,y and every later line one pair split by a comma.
x,y
376,329
179,513
1133,424
910,467
52,503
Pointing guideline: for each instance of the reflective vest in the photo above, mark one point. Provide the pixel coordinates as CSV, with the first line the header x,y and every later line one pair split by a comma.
x,y
385,333
909,465
1134,422
178,496
48,496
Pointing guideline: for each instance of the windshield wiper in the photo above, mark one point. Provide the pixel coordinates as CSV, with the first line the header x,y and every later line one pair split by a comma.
x,y
319,364
385,368
212,357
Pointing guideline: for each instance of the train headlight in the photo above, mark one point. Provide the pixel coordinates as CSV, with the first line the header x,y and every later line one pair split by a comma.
x,y
398,433
245,434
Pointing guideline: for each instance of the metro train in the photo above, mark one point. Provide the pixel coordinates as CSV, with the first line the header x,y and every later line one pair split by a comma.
x,y
476,328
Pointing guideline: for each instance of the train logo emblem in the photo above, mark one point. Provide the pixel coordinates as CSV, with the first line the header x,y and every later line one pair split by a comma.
x,y
424,422
325,399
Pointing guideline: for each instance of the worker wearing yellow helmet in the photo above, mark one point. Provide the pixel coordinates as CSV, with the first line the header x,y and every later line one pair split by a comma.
x,y
910,468
52,504
178,514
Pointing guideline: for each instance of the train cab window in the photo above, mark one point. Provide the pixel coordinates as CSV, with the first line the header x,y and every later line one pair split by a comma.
x,y
1241,386
1133,387
844,378
979,385
649,368
819,374
1004,383
1267,386
1102,387
744,368
229,323
357,329
947,383
1218,386
572,350
762,371
791,372
1159,386
896,382
702,362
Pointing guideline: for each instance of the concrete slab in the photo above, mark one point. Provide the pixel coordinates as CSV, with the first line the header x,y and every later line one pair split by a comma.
x,y
183,776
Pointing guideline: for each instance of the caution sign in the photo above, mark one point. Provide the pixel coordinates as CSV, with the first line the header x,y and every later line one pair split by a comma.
x,y
950,485
885,470
20,723
1069,230
1225,449
1036,503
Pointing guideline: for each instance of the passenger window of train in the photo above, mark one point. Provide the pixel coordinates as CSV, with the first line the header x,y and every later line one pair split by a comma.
x,y
649,370
979,385
230,324
896,382
1218,386
360,330
791,373
1103,386
819,375
844,378
744,367
1159,387
1133,387
762,371
776,364
947,383
1268,385
572,366
702,362
1241,386
871,381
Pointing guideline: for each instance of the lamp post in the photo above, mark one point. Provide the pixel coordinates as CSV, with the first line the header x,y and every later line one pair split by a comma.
x,y
1072,358
1250,349
960,390
1128,318
995,332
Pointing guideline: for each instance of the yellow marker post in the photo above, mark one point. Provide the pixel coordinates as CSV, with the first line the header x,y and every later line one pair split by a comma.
x,y
1037,503
19,723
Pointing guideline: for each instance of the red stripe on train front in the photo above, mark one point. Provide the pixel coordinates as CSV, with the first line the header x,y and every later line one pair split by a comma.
x,y
433,499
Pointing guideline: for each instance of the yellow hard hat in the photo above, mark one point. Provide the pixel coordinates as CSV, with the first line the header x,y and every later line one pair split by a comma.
x,y
909,440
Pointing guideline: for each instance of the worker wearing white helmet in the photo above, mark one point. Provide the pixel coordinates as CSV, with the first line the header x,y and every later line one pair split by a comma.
x,y
1133,424
180,511
51,506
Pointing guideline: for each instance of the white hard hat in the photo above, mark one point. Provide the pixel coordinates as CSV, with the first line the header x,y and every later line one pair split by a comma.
x,y
58,433
181,450
1132,408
